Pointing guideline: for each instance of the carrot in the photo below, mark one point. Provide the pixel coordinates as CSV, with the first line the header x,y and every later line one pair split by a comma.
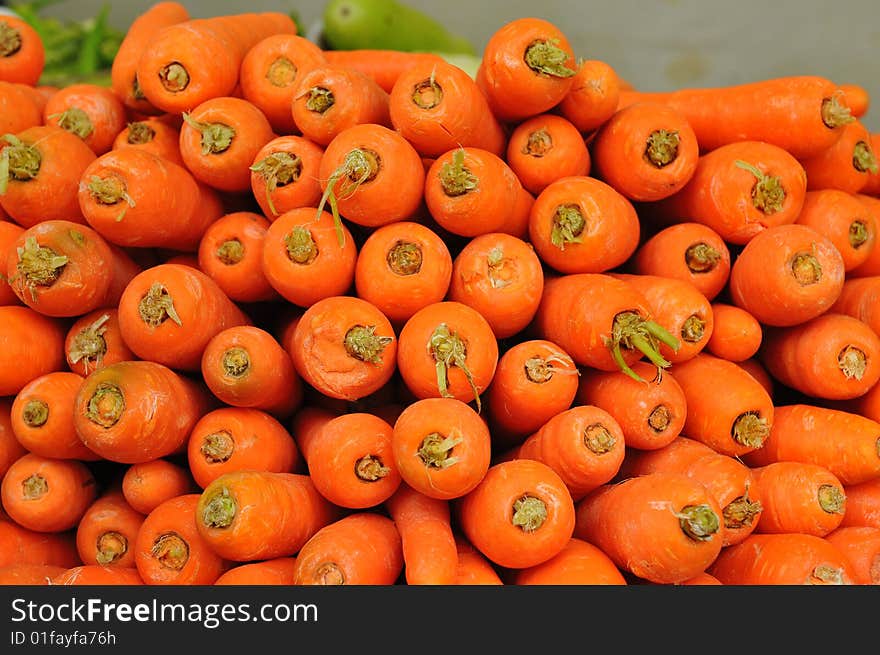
x,y
364,548
10,448
736,334
60,268
470,191
47,495
350,460
601,322
582,225
871,188
441,447
220,139
647,151
231,253
845,220
438,107
687,251
169,313
136,411
33,345
149,484
169,549
857,299
519,515
592,98
278,571
739,190
545,148
579,563
517,223
701,579
862,504
832,356
231,439
106,534
29,574
787,275
307,423
473,567
328,100
93,113
22,546
680,308
372,176
43,167
153,135
22,54
856,97
584,445
94,341
401,268
861,547
190,62
501,277
134,198
96,574
19,109
846,165
284,175
733,423
650,413
527,68
799,497
244,366
783,559
42,417
270,75
9,234
681,515
303,260
430,553
383,66
534,381
447,350
730,481
254,515
842,442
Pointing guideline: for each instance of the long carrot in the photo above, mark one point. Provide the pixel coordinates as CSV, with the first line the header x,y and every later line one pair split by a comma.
x,y
231,439
681,516
137,411
189,62
107,531
578,563
430,554
245,516
33,346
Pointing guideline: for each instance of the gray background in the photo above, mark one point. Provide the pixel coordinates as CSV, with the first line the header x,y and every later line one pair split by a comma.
x,y
655,44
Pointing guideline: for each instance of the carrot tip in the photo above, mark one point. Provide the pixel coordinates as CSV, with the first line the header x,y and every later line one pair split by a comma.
x,y
448,350
10,40
140,133
568,225
456,179
864,160
174,77
18,161
370,468
35,413
662,147
741,512
219,510
546,58
217,447
236,362
171,550
852,362
831,499
598,439
277,169
750,430
834,112
701,258
75,121
230,252
157,306
34,487
698,522
281,72
111,546
301,247
435,450
89,343
405,258
320,99
362,342
106,405
529,513
38,266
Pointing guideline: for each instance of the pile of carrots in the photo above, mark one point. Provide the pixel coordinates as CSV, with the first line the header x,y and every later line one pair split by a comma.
x,y
272,314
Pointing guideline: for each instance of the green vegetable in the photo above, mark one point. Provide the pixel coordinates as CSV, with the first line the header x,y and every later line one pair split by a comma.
x,y
387,25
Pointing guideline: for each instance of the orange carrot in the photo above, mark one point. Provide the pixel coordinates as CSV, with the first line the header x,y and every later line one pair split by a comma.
x,y
47,495
22,546
328,100
845,220
270,74
687,251
701,579
846,444
736,334
430,554
360,549
255,515
592,98
19,109
9,234
862,504
284,175
527,68
384,66
22,54
473,567
29,574
42,417
94,341
149,484
578,563
137,411
169,549
33,346
401,268
871,188
786,275
856,97
96,574
582,225
169,313
278,571
545,148
845,165
93,113
153,135
858,299
190,62
861,547
783,559
519,515
107,532
832,356
757,370
10,448
438,107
